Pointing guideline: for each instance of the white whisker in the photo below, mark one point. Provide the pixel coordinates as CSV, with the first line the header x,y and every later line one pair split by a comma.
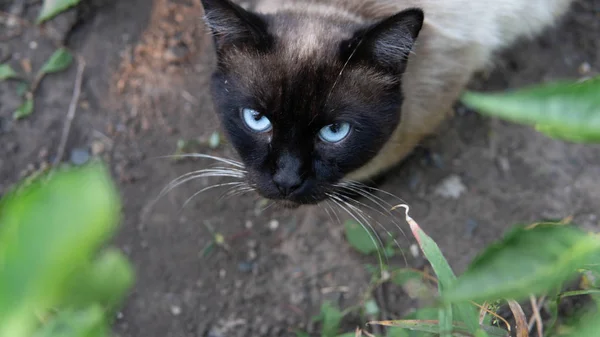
x,y
340,202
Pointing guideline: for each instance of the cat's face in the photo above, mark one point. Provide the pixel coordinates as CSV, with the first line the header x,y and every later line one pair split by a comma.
x,y
307,100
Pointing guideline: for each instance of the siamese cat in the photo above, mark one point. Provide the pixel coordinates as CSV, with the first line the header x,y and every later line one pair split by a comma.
x,y
315,93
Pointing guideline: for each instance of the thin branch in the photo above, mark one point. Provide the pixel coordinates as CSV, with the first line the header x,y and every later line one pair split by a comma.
x,y
72,110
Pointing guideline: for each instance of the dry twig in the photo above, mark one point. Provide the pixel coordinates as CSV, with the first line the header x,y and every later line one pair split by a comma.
x,y
72,109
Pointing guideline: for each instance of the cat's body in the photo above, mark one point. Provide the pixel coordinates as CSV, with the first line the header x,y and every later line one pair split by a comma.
x,y
304,62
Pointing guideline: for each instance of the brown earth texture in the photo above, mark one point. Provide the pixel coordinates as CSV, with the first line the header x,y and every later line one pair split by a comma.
x,y
144,90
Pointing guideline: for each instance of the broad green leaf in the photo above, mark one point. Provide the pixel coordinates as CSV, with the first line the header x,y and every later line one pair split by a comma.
x,y
59,61
301,334
433,326
359,238
105,282
566,110
88,323
331,320
25,110
465,312
51,8
48,230
525,262
7,72
589,327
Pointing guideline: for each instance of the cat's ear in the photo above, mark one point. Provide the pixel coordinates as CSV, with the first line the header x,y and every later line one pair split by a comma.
x,y
232,25
387,43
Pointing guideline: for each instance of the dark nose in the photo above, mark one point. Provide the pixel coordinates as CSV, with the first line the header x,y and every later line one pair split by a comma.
x,y
287,174
287,182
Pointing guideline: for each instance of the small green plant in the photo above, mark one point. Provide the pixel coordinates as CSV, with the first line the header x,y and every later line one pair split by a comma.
x,y
51,8
59,61
56,280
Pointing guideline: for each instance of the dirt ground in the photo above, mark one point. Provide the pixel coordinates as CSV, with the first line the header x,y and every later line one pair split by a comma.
x,y
145,88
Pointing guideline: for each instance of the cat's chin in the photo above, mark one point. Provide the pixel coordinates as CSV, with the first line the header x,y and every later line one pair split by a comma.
x,y
289,204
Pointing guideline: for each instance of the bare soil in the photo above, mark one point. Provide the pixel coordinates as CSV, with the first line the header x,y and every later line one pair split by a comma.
x,y
145,88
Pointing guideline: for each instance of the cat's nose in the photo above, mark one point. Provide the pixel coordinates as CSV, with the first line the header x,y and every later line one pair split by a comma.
x,y
287,182
287,175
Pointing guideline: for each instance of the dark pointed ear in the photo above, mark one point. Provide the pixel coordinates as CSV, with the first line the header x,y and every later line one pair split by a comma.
x,y
232,25
386,44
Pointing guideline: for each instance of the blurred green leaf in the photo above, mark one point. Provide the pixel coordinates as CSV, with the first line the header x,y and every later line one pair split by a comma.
x,y
51,8
105,282
566,110
525,262
60,60
7,72
360,238
25,110
401,276
22,89
331,318
87,323
446,278
49,230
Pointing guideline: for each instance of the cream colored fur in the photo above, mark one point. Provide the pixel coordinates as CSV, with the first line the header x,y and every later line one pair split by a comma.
x,y
458,39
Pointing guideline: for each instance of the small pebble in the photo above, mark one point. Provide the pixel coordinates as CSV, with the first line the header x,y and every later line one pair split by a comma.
x,y
33,45
175,310
273,225
504,164
97,148
79,156
222,273
120,315
414,250
252,255
471,226
248,224
584,68
451,187
245,267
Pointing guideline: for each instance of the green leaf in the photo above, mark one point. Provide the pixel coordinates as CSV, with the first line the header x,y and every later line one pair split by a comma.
x,y
48,230
25,110
88,323
331,318
22,89
360,238
525,262
566,110
401,276
59,61
7,72
396,332
51,8
445,314
433,327
105,282
446,278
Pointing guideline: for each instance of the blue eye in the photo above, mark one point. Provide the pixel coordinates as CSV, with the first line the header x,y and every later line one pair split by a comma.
x,y
334,133
256,121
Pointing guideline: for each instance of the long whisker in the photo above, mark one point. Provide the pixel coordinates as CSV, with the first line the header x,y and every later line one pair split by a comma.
x,y
375,200
205,156
198,174
340,202
361,189
381,225
206,189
